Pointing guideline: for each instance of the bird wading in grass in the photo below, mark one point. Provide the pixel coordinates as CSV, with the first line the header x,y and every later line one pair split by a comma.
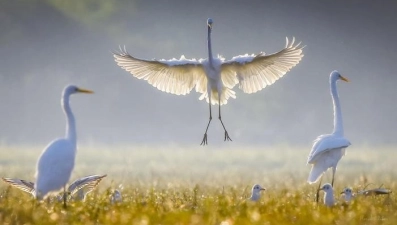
x,y
213,77
56,162
328,149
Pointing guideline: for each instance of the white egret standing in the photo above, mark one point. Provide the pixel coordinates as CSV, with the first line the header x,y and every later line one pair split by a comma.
x,y
213,77
328,149
81,187
56,162
328,194
256,192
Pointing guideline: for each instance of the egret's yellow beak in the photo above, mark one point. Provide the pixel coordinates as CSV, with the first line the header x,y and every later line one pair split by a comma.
x,y
344,78
84,91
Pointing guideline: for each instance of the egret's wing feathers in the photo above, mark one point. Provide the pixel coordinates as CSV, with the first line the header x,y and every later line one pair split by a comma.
x,y
171,76
23,185
89,183
255,72
325,143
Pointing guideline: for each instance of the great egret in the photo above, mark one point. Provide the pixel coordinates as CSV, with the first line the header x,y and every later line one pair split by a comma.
x,y
328,194
328,149
213,77
348,194
80,187
256,192
56,162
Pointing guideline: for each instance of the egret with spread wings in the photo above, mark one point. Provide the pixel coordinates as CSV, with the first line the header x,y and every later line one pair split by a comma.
x,y
328,149
213,77
56,162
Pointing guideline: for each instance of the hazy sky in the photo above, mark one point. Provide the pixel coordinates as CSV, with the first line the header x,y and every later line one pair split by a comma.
x,y
45,45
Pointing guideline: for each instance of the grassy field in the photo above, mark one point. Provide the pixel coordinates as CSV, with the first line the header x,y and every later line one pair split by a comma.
x,y
195,185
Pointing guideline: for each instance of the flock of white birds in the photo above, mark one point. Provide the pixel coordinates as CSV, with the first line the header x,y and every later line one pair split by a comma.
x,y
214,78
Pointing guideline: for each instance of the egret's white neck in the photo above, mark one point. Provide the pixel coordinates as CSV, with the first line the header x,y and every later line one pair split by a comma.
x,y
338,122
70,124
329,198
210,60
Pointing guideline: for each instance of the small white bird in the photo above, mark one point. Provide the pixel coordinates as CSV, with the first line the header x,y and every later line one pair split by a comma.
x,y
77,190
115,197
256,192
328,194
348,194
56,162
213,77
328,149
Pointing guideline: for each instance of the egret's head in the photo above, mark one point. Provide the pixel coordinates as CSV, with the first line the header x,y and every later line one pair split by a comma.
x,y
209,23
256,189
326,187
72,89
335,75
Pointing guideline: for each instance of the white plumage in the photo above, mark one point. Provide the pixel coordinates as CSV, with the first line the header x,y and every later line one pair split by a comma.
x,y
328,149
56,162
213,77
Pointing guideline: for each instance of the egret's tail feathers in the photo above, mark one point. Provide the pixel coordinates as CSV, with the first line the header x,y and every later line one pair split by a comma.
x,y
315,173
226,94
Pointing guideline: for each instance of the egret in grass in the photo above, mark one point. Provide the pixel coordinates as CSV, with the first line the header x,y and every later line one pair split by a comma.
x,y
56,162
213,77
328,149
79,188
256,192
328,194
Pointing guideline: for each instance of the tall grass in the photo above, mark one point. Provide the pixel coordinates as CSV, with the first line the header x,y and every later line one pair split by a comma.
x,y
194,185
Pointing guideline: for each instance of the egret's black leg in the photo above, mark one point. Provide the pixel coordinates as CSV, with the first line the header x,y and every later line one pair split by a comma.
x,y
333,176
318,190
204,141
64,198
227,138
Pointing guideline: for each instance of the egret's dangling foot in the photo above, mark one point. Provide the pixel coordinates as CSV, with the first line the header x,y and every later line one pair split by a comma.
x,y
227,138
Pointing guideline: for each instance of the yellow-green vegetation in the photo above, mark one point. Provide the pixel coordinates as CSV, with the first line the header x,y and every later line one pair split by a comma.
x,y
186,185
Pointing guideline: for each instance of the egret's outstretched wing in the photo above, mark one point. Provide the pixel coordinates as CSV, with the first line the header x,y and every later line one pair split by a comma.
x,y
255,72
172,76
89,183
23,185
325,143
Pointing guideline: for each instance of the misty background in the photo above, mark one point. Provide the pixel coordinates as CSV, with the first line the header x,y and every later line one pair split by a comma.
x,y
47,44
